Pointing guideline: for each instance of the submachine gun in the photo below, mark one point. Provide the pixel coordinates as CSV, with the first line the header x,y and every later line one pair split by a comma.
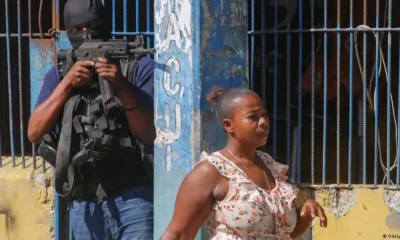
x,y
127,53
93,49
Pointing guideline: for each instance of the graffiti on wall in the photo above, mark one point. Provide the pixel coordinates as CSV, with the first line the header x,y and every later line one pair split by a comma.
x,y
173,43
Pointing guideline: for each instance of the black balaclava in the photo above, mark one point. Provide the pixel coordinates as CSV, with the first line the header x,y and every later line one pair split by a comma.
x,y
77,12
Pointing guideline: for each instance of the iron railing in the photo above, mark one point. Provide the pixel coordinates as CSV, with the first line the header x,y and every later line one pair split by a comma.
x,y
325,100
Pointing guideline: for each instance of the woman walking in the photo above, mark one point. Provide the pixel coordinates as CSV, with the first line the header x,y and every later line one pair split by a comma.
x,y
240,192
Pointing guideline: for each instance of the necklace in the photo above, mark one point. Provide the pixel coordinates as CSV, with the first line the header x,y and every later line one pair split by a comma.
x,y
265,175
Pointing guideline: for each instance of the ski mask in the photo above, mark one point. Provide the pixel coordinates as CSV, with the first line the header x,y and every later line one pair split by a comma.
x,y
78,12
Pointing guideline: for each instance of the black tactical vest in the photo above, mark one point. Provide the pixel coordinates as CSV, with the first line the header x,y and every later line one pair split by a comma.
x,y
96,154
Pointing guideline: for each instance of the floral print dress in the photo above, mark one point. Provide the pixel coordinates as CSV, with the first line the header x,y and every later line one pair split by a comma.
x,y
248,211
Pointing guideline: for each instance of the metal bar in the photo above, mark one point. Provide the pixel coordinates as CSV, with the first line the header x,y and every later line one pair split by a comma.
x,y
34,156
137,16
132,33
350,156
30,18
113,19
312,94
338,40
275,122
299,96
1,128
53,14
125,10
30,37
10,106
346,186
148,22
398,133
263,57
288,92
15,35
376,107
351,29
389,92
252,65
364,102
57,10
21,109
325,93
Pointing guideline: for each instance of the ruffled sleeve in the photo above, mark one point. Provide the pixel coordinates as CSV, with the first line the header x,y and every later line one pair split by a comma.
x,y
278,170
224,169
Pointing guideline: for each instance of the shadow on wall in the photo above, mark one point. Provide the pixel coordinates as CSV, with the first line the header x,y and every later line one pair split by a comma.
x,y
6,221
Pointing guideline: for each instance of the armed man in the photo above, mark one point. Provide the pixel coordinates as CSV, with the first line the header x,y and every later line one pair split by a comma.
x,y
102,153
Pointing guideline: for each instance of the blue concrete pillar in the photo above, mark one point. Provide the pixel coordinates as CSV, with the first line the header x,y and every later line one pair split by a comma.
x,y
200,44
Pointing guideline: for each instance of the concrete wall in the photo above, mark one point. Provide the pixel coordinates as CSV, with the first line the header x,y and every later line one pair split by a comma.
x,y
199,44
357,214
26,202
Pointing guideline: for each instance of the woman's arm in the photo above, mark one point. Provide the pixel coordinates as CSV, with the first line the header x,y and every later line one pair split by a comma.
x,y
302,225
193,203
305,216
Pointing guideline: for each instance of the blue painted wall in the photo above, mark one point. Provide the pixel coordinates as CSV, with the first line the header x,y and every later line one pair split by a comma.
x,y
42,56
41,60
223,59
200,44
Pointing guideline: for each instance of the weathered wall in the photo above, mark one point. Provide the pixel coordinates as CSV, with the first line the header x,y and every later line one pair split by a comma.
x,y
199,44
26,202
358,214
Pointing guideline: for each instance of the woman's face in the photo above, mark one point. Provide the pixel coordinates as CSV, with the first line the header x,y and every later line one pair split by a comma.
x,y
249,123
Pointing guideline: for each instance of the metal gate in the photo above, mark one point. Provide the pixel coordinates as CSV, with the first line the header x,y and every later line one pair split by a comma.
x,y
328,72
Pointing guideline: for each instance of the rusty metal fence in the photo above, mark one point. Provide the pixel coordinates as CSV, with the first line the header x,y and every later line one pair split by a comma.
x,y
328,72
15,37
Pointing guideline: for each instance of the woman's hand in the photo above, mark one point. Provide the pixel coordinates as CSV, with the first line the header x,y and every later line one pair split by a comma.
x,y
309,210
312,209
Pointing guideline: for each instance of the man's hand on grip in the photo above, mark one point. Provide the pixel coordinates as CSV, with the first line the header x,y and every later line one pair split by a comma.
x,y
81,73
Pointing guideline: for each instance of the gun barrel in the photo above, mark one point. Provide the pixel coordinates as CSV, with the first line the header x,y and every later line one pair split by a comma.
x,y
134,44
143,50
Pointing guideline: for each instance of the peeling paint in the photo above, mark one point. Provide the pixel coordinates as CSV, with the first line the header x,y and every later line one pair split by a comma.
x,y
168,158
46,191
19,187
392,199
197,47
178,29
208,24
196,136
41,60
369,219
166,136
171,90
173,34
337,201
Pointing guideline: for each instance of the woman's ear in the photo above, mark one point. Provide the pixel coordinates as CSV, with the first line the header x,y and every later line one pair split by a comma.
x,y
228,125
